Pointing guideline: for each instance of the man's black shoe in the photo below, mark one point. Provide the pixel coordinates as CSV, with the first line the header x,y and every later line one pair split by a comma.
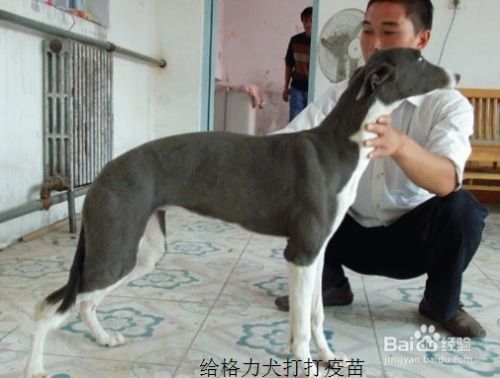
x,y
462,324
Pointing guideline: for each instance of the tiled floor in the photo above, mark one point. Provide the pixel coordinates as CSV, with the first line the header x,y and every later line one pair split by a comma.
x,y
209,305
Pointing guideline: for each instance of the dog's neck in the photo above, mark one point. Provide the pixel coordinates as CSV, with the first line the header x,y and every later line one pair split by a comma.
x,y
349,116
378,109
346,117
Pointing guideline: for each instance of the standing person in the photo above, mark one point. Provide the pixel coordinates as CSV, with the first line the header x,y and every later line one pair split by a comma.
x,y
410,216
297,66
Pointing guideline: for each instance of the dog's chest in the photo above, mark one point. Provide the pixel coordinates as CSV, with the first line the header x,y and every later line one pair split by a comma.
x,y
377,110
347,195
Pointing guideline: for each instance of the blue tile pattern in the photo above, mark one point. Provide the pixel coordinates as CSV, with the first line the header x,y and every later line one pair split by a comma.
x,y
131,322
162,278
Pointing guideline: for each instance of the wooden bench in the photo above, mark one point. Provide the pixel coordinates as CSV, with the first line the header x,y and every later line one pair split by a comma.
x,y
482,171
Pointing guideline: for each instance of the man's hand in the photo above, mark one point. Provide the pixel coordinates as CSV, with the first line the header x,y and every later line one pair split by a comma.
x,y
285,94
388,141
427,170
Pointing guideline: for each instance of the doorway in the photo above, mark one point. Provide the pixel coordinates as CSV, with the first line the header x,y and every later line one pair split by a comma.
x,y
247,46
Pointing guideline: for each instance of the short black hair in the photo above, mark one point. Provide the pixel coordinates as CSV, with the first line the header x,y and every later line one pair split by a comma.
x,y
307,12
420,12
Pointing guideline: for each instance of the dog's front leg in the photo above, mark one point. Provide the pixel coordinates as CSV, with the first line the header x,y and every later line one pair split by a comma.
x,y
301,285
318,314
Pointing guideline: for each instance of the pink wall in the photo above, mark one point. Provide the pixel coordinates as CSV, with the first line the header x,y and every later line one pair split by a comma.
x,y
252,40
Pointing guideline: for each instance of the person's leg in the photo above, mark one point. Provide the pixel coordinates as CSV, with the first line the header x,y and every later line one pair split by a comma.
x,y
303,100
372,251
439,238
346,238
451,237
298,101
449,230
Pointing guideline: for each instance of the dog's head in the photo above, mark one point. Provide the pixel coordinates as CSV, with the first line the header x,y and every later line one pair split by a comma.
x,y
396,73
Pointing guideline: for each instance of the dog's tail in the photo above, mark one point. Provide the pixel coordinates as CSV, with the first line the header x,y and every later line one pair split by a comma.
x,y
68,292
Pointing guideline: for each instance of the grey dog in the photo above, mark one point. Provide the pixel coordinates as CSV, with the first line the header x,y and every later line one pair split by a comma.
x,y
297,185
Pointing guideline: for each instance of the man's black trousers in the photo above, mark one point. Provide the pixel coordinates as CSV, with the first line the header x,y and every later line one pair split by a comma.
x,y
437,238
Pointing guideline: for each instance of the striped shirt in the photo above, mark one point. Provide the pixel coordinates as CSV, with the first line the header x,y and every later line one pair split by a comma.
x,y
297,58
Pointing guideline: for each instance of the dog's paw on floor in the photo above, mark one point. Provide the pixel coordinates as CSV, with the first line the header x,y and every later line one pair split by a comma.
x,y
112,339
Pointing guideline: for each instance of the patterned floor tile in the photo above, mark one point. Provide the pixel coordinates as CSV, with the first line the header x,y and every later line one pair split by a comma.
x,y
492,271
256,341
180,281
157,332
261,331
494,215
209,306
427,353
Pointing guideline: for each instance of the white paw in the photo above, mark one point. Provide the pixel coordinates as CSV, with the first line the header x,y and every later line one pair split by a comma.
x,y
30,373
112,339
327,355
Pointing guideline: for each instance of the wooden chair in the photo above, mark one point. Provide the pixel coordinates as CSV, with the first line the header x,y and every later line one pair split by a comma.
x,y
482,171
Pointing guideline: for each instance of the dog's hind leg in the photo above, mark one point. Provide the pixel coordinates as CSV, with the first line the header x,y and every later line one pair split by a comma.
x,y
51,312
151,249
47,319
88,306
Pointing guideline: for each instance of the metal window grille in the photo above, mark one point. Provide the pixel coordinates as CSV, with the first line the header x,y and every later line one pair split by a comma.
x,y
78,110
78,117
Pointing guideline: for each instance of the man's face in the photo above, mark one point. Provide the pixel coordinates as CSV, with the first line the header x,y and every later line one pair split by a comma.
x,y
307,24
386,25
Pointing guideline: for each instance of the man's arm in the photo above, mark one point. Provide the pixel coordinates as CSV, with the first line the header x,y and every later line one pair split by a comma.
x,y
288,76
436,174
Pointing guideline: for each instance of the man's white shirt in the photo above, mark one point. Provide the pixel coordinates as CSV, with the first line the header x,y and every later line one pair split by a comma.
x,y
440,121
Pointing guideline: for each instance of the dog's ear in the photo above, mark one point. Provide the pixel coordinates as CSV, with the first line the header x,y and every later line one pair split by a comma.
x,y
374,78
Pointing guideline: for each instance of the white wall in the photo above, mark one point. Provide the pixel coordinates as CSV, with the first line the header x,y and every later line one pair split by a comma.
x,y
473,47
178,89
132,25
148,101
255,35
